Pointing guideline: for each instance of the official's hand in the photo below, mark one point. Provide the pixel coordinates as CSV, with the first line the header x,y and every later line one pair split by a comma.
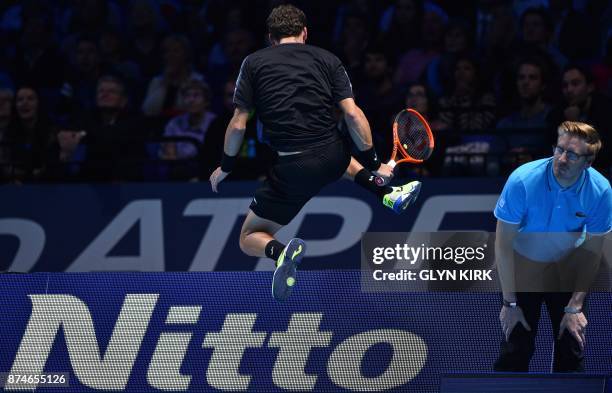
x,y
575,324
217,177
509,317
385,172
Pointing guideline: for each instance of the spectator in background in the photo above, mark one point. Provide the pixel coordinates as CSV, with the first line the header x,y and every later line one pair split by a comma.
x,y
495,27
143,43
85,18
379,98
6,110
215,137
110,101
90,17
559,11
457,42
195,123
29,136
400,26
530,119
579,36
368,9
227,56
112,50
228,101
113,139
534,41
420,98
582,103
354,39
412,63
37,61
162,98
470,106
530,84
200,30
235,15
536,33
79,89
602,70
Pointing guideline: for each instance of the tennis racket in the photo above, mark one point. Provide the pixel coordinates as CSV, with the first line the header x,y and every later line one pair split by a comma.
x,y
413,140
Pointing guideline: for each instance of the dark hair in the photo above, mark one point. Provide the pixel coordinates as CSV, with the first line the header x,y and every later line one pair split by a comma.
x,y
88,38
40,113
109,78
27,87
588,75
542,13
183,41
432,103
463,25
285,21
378,47
536,62
481,79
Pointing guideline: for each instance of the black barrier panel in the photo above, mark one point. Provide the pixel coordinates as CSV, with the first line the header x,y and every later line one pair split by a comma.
x,y
522,382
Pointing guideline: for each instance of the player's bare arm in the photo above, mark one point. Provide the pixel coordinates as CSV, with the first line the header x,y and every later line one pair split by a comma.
x,y
361,134
358,125
234,135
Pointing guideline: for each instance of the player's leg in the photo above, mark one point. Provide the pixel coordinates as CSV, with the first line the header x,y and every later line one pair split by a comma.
x,y
256,234
256,239
395,198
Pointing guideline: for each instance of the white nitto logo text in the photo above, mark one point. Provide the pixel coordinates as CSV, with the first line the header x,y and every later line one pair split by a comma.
x,y
112,369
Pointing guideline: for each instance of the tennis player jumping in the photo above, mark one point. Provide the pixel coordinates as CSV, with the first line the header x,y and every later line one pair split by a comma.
x,y
293,88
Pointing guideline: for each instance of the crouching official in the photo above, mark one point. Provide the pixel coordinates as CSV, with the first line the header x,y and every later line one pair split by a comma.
x,y
552,216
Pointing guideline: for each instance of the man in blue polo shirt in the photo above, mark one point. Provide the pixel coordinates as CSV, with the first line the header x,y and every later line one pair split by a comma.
x,y
551,210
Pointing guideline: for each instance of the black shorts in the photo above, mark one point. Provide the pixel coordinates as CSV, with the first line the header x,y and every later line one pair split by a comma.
x,y
294,179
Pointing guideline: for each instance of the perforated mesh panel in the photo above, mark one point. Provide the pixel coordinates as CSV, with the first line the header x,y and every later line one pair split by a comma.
x,y
328,337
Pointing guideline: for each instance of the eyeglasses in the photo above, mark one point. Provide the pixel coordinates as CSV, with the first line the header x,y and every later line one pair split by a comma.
x,y
571,156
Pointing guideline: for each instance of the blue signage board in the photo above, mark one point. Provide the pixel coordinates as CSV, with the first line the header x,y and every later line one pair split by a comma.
x,y
186,227
222,331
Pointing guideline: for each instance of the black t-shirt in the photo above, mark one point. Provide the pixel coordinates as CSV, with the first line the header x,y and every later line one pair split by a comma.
x,y
293,89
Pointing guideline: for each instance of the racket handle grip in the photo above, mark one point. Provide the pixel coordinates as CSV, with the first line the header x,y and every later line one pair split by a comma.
x,y
379,180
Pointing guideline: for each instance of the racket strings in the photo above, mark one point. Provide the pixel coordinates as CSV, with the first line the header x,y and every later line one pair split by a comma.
x,y
413,136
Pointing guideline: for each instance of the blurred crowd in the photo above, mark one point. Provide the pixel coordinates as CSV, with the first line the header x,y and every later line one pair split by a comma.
x,y
94,90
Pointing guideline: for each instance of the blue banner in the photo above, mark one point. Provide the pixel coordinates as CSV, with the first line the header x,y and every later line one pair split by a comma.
x,y
186,227
152,332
